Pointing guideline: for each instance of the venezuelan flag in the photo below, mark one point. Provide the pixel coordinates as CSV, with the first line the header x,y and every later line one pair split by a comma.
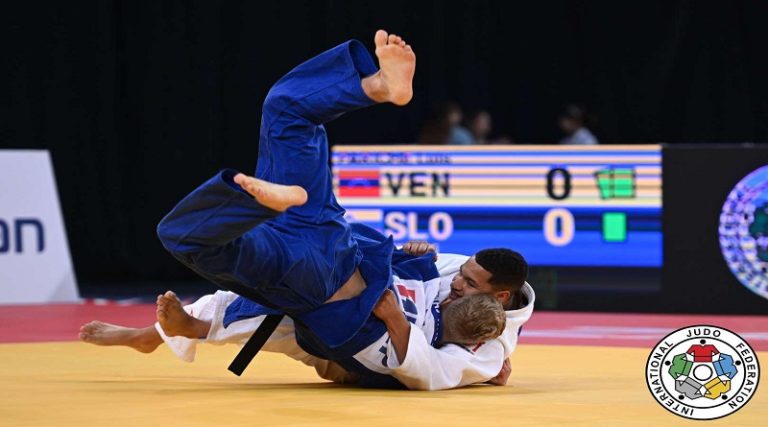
x,y
359,183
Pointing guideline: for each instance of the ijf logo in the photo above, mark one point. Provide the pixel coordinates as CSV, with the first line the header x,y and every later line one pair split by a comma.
x,y
702,372
744,231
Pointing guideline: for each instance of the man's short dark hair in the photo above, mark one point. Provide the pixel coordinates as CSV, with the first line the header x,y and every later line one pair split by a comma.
x,y
508,269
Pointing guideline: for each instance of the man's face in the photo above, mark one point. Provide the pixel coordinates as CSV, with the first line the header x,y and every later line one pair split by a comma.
x,y
471,279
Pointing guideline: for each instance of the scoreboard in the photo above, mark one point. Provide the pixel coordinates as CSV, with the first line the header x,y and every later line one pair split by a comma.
x,y
558,205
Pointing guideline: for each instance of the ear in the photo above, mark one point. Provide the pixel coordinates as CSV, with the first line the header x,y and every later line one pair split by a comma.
x,y
503,297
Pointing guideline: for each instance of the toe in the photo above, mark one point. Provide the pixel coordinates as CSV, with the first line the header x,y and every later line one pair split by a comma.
x,y
88,326
380,39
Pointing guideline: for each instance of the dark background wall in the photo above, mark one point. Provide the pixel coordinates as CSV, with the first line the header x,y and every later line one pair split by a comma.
x,y
139,101
697,181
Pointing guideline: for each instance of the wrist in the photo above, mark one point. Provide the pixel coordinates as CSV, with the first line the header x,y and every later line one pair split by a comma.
x,y
397,323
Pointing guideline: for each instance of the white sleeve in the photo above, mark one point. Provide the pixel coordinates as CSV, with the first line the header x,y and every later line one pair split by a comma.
x,y
451,366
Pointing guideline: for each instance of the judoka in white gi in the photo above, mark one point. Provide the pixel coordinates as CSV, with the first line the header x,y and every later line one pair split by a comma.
x,y
453,365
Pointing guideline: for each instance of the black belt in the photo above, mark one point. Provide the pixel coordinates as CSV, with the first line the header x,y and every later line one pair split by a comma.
x,y
255,343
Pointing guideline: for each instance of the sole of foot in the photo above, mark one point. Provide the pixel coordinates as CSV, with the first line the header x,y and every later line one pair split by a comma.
x,y
274,196
397,63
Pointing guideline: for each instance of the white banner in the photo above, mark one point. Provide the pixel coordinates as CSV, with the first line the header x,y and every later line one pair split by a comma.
x,y
35,264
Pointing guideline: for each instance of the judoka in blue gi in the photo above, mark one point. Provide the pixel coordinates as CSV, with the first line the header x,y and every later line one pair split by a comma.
x,y
280,237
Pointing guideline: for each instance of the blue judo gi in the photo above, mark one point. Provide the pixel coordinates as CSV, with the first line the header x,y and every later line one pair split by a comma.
x,y
294,261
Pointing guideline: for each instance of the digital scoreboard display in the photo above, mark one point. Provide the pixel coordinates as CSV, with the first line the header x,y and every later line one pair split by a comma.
x,y
557,205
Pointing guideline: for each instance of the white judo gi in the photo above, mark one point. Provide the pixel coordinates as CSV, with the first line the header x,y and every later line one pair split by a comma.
x,y
424,368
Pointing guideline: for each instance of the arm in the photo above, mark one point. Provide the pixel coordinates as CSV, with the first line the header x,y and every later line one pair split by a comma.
x,y
427,368
503,377
388,310
420,366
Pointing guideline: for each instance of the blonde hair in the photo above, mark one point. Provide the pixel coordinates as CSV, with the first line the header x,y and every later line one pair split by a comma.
x,y
473,319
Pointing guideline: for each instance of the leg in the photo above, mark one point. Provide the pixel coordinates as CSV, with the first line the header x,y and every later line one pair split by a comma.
x,y
293,148
174,320
391,83
182,328
145,340
289,264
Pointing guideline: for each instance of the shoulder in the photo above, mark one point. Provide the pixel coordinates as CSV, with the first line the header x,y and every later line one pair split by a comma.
x,y
461,136
585,137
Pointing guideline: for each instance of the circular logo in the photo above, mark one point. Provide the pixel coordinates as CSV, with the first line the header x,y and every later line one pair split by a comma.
x,y
702,372
744,231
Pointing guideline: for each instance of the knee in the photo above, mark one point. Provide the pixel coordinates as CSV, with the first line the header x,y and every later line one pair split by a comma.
x,y
167,235
171,241
275,102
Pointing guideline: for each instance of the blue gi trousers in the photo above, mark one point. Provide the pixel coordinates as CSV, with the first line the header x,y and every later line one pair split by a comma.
x,y
290,262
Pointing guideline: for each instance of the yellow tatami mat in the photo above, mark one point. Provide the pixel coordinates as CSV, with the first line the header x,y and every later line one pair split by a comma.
x,y
75,384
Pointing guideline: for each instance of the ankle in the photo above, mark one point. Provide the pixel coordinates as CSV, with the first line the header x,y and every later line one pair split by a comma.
x,y
375,87
201,328
146,337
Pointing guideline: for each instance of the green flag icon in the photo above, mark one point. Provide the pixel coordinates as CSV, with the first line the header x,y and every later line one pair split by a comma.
x,y
616,183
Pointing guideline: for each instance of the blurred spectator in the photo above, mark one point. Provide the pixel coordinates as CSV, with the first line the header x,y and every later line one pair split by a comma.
x,y
459,134
573,123
437,128
443,126
480,126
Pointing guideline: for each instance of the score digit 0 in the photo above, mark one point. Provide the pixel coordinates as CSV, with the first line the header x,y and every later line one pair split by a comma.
x,y
566,190
567,228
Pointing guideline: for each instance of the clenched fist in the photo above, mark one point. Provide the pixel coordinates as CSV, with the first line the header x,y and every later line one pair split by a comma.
x,y
419,248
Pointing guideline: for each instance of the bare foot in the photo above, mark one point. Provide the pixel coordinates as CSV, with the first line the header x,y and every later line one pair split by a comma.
x,y
144,340
397,62
175,321
274,196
